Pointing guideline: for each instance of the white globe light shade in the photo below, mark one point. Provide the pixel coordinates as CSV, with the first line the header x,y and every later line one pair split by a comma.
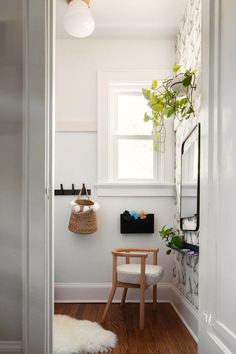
x,y
78,20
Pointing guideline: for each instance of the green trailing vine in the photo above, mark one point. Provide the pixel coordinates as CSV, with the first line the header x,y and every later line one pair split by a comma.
x,y
172,237
173,98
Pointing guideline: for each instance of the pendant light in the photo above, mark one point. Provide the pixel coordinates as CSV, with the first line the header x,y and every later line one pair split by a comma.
x,y
78,20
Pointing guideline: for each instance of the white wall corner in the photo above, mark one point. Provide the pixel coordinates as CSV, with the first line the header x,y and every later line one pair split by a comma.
x,y
13,347
186,311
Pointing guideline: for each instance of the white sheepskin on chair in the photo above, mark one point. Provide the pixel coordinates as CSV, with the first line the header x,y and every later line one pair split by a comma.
x,y
73,336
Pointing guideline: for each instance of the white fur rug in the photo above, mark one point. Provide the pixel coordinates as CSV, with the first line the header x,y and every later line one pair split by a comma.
x,y
73,336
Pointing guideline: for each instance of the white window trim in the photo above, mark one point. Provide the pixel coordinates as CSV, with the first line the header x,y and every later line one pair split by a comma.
x,y
135,189
106,185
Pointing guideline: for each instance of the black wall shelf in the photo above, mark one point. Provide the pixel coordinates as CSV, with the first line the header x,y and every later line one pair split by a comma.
x,y
190,247
139,226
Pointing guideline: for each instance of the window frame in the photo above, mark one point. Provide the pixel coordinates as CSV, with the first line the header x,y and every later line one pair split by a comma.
x,y
115,90
107,183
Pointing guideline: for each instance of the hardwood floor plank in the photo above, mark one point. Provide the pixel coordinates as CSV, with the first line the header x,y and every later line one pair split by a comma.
x,y
164,332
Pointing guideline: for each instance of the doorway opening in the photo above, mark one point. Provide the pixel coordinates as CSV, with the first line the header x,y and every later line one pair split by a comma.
x,y
103,143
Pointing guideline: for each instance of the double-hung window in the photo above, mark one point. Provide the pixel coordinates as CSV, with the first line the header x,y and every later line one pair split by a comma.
x,y
131,140
126,155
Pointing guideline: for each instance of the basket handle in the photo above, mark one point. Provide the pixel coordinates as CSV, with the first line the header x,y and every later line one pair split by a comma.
x,y
83,191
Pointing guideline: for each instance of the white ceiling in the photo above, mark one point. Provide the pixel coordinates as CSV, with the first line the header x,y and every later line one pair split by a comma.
x,y
126,19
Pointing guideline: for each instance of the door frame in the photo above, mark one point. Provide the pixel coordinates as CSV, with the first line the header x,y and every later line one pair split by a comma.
x,y
211,335
38,146
209,89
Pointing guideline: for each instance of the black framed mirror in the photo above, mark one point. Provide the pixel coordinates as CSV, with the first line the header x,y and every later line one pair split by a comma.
x,y
190,181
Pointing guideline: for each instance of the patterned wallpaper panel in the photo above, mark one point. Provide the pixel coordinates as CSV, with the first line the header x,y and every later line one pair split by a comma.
x,y
188,54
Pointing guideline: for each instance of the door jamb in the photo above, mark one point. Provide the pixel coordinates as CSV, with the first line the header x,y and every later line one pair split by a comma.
x,y
38,146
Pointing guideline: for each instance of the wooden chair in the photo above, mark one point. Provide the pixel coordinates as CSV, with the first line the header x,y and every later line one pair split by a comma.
x,y
134,275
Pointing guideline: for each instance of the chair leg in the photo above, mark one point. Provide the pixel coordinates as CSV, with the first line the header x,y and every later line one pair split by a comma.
x,y
124,296
142,306
154,296
111,296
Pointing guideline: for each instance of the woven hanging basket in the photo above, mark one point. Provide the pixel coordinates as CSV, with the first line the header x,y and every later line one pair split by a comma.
x,y
83,222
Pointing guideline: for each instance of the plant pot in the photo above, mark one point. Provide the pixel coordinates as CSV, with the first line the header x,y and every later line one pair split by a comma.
x,y
177,85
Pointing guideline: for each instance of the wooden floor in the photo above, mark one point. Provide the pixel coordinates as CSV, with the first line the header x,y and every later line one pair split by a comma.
x,y
164,332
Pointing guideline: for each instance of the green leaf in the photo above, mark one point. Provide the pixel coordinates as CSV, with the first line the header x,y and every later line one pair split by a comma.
x,y
158,107
152,99
176,68
155,146
168,252
170,112
190,110
156,134
147,118
177,241
183,101
146,93
162,231
187,81
154,84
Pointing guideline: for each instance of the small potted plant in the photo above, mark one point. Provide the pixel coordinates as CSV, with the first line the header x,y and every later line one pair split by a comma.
x,y
172,237
173,98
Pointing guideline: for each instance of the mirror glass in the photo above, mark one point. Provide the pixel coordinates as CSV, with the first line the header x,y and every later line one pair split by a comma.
x,y
189,196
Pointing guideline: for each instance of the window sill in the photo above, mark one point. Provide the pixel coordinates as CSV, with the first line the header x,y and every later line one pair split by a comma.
x,y
137,189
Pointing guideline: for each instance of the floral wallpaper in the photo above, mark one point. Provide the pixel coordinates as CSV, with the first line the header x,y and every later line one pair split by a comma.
x,y
188,54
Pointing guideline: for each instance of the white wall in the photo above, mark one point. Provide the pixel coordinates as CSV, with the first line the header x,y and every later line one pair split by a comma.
x,y
77,63
87,259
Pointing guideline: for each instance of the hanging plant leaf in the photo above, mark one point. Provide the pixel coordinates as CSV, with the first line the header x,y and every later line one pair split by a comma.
x,y
147,118
164,101
183,101
156,134
154,84
176,68
146,93
158,108
190,110
153,100
170,112
155,145
187,81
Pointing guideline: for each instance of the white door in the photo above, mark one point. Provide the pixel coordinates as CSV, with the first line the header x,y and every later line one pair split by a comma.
x,y
37,176
217,293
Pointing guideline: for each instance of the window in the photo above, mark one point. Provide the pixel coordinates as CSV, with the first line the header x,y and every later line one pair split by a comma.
x,y
131,140
126,156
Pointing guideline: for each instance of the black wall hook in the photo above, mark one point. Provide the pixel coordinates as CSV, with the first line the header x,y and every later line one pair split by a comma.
x,y
72,191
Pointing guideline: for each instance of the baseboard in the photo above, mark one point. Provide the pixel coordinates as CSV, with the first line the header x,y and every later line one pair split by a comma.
x,y
99,292
185,310
13,347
